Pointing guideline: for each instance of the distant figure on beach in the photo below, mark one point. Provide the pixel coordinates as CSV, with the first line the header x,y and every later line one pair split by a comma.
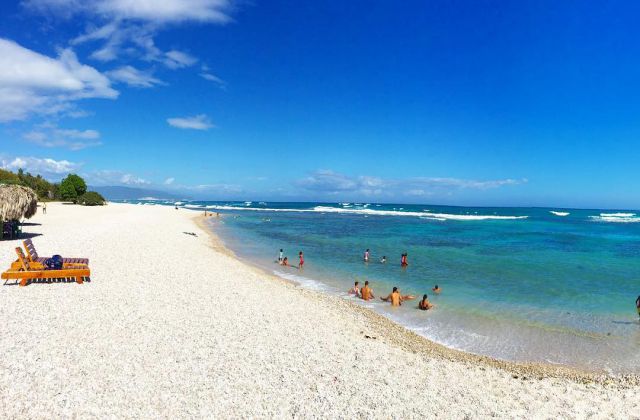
x,y
281,255
217,214
436,289
425,304
383,259
44,208
403,260
355,290
638,305
366,255
394,297
301,257
176,207
367,293
205,213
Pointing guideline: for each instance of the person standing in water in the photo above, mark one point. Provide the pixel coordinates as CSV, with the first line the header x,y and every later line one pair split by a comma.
x,y
383,260
638,306
301,256
366,255
281,255
403,260
367,293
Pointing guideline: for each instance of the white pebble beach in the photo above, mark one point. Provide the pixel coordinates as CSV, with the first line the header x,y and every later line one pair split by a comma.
x,y
173,326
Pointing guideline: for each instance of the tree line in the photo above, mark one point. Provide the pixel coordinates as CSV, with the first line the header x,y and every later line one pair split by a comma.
x,y
72,188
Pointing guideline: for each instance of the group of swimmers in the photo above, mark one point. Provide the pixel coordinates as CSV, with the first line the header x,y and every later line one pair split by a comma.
x,y
403,258
395,297
284,261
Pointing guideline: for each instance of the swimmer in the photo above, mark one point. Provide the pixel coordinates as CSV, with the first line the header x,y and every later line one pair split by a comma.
x,y
403,260
281,256
366,255
301,256
437,289
425,304
638,305
355,290
367,292
285,261
394,297
383,259
408,297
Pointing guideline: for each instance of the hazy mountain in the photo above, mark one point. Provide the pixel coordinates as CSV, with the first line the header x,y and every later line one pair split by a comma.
x,y
115,192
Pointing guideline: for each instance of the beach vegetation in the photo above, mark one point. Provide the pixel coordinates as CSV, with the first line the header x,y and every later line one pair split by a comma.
x,y
91,198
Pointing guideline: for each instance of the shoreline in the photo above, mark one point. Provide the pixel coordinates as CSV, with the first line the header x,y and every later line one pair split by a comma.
x,y
172,325
411,341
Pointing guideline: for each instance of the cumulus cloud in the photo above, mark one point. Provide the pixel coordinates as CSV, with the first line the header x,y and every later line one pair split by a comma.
x,y
50,135
197,122
333,183
31,82
133,77
48,168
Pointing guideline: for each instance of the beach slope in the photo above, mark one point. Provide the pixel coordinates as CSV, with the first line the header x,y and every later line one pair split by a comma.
x,y
172,326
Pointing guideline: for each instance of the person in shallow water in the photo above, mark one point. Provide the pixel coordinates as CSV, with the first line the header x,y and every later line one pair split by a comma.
x,y
394,297
424,304
638,306
367,292
366,255
403,260
285,261
436,289
281,255
383,259
301,256
355,290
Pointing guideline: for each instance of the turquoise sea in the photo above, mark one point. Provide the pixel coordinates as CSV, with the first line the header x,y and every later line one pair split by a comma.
x,y
526,284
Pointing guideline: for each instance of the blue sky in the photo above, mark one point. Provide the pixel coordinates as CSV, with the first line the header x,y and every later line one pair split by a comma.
x,y
452,102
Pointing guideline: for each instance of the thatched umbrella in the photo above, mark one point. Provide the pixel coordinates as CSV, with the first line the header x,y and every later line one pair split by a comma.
x,y
17,202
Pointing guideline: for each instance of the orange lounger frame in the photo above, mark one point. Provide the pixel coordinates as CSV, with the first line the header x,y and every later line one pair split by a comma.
x,y
26,272
32,255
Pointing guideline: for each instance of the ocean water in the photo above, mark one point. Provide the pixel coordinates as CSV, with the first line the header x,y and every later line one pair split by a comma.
x,y
524,284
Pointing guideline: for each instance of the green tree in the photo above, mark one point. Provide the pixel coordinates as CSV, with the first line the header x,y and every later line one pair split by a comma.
x,y
67,191
77,182
8,177
91,198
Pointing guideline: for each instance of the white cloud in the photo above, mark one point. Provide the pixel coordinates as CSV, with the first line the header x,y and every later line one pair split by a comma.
x,y
169,181
50,135
48,168
133,77
165,11
114,177
129,179
198,122
177,59
207,75
31,82
333,183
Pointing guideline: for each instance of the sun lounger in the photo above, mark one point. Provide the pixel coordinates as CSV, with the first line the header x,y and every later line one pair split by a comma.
x,y
25,272
32,255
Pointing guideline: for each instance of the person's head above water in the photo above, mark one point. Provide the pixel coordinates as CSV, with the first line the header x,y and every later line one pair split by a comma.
x,y
356,283
366,283
424,297
281,250
395,289
436,287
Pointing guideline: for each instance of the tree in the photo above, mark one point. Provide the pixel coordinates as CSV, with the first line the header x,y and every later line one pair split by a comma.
x,y
67,192
78,184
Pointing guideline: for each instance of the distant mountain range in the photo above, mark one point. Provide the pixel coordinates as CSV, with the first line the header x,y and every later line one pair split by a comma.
x,y
115,192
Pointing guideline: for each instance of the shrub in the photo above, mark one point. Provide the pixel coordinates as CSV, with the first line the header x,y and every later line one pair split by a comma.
x,y
91,198
67,192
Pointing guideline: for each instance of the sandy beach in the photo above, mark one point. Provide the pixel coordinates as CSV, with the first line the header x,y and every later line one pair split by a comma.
x,y
172,325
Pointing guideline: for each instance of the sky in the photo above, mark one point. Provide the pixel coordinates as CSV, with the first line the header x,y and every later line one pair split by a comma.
x,y
511,103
